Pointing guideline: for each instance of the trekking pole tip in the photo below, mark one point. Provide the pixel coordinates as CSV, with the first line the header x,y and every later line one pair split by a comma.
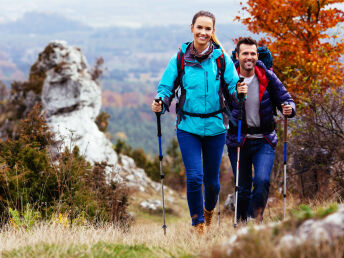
x,y
164,228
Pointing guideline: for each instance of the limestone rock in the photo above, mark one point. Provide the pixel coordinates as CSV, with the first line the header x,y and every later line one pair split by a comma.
x,y
328,229
71,100
229,204
151,205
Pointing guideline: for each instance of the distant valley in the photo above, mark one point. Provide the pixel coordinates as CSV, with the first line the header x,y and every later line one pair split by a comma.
x,y
134,62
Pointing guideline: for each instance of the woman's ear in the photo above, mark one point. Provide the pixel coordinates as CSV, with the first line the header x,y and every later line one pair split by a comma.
x,y
192,28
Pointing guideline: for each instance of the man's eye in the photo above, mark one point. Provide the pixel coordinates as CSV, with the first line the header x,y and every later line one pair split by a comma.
x,y
208,29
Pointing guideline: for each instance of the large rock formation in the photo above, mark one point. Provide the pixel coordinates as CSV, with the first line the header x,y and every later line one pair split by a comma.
x,y
71,100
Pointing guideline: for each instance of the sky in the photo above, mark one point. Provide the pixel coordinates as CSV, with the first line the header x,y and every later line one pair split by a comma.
x,y
134,13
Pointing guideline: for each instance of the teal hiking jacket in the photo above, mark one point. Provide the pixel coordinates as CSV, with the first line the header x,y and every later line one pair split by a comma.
x,y
200,92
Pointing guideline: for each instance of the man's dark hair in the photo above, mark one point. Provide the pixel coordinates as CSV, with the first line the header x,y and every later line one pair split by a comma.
x,y
247,41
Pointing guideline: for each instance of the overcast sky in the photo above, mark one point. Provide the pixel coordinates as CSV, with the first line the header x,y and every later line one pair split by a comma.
x,y
123,12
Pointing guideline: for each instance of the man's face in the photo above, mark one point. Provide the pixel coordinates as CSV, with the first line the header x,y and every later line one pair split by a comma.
x,y
247,57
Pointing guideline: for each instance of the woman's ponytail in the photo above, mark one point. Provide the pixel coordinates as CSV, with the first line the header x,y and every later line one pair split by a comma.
x,y
216,41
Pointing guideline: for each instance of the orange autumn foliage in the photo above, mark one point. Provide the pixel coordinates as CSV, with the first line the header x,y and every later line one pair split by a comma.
x,y
306,52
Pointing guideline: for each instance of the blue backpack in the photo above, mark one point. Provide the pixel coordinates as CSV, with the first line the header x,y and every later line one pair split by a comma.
x,y
264,55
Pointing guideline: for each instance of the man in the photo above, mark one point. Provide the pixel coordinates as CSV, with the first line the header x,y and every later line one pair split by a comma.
x,y
258,135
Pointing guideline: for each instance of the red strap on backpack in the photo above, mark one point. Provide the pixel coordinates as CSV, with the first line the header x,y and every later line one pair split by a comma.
x,y
180,61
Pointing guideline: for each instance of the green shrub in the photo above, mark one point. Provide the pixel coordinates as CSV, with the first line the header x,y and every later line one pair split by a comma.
x,y
64,183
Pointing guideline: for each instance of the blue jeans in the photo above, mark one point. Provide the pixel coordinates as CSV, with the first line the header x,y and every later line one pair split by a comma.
x,y
261,154
202,159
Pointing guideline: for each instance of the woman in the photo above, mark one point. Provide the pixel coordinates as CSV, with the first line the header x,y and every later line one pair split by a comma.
x,y
200,124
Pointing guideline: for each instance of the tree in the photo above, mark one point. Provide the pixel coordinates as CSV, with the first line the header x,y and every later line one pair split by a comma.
x,y
307,51
306,55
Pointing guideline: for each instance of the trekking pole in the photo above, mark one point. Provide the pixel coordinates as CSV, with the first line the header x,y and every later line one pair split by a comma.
x,y
162,175
238,157
285,164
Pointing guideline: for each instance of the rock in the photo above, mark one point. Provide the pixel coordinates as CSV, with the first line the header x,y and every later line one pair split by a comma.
x,y
151,205
229,204
71,100
328,229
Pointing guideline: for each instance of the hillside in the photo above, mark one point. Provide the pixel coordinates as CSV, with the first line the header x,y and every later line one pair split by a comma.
x,y
134,61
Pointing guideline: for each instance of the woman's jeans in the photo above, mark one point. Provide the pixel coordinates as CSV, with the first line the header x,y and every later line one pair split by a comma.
x,y
202,159
259,153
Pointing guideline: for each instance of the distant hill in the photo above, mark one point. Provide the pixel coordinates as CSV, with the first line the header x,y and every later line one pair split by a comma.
x,y
135,59
41,23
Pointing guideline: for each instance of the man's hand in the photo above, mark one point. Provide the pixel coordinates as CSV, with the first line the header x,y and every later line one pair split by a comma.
x,y
286,109
242,88
157,107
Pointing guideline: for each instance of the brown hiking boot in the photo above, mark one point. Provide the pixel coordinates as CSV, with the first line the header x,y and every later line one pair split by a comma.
x,y
199,228
208,215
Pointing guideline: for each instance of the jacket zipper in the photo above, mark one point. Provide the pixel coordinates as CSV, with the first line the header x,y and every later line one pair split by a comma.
x,y
206,79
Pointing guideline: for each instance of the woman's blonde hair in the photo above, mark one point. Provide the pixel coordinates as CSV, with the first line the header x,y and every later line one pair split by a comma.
x,y
212,16
215,40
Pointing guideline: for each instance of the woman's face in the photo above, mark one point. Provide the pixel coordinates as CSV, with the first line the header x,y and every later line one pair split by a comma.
x,y
202,30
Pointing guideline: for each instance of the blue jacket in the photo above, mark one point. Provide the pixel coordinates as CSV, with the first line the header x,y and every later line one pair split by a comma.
x,y
200,93
278,96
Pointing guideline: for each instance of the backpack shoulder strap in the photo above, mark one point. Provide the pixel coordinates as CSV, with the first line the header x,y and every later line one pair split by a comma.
x,y
180,62
221,66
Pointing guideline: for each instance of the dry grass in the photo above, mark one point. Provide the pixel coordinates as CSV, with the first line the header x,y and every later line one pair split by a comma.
x,y
145,239
179,241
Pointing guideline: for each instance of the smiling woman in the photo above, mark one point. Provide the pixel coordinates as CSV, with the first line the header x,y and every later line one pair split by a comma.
x,y
204,74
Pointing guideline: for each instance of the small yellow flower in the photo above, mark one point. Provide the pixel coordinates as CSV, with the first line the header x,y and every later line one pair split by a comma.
x,y
13,223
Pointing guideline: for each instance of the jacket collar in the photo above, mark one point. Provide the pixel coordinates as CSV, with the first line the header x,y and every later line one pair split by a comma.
x,y
217,51
260,71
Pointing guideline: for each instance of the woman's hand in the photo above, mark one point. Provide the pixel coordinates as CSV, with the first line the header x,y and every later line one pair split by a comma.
x,y
157,107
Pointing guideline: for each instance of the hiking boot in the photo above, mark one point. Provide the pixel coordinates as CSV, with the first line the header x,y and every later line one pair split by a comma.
x,y
199,228
208,215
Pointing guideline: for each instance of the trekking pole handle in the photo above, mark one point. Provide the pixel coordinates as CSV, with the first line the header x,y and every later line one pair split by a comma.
x,y
241,95
158,114
285,123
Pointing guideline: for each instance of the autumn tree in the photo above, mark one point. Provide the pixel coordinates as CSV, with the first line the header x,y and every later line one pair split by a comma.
x,y
302,38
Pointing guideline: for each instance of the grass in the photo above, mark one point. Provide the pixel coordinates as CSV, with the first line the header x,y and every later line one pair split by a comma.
x,y
99,249
145,237
55,240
